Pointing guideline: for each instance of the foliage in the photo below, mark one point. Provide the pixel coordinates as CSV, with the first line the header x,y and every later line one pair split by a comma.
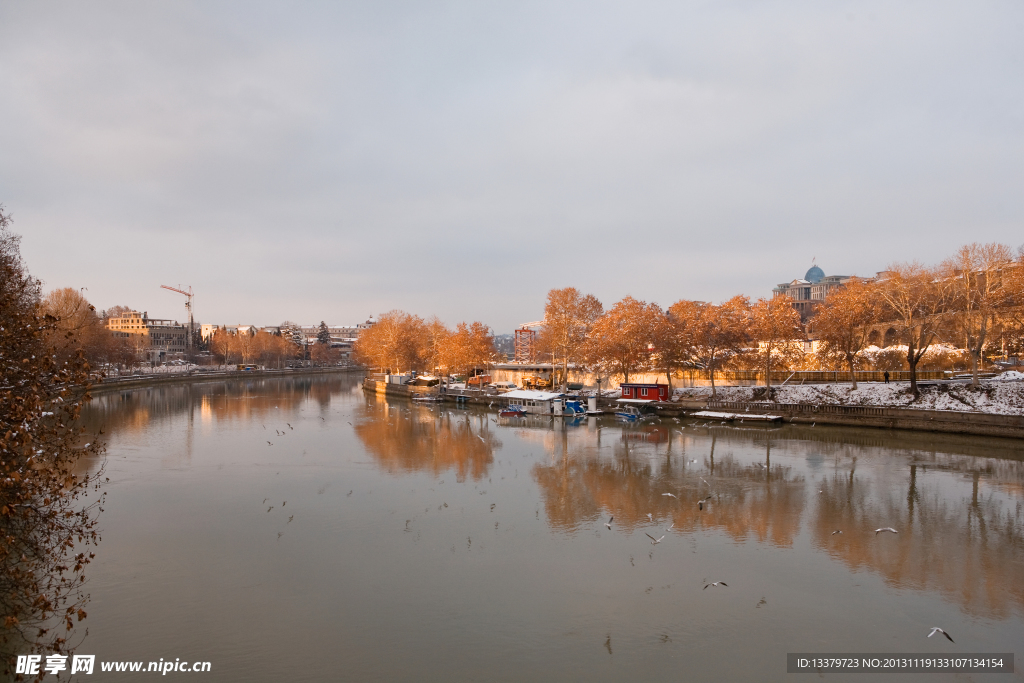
x,y
775,325
914,298
842,324
568,319
622,340
323,335
47,529
982,281
710,334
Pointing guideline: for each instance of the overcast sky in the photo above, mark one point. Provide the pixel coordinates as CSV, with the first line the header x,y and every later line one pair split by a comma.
x,y
328,161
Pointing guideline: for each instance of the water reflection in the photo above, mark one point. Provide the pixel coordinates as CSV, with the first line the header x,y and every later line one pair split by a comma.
x,y
413,438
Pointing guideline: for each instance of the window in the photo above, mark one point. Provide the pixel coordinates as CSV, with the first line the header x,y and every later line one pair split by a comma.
x,y
643,392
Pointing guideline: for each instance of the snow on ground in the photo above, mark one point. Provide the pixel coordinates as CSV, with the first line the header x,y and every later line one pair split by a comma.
x,y
1004,397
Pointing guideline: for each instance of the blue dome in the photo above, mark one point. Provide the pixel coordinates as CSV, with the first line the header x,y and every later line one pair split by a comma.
x,y
814,275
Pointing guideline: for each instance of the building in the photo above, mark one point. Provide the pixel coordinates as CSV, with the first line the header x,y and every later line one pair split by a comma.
x,y
638,391
156,338
810,290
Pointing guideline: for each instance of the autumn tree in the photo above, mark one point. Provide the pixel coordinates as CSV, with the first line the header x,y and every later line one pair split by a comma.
x,y
437,348
568,319
775,324
982,282
622,340
713,333
914,297
842,324
46,531
395,343
473,344
77,327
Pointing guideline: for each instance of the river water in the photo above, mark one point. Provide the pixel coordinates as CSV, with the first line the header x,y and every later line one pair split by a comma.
x,y
297,529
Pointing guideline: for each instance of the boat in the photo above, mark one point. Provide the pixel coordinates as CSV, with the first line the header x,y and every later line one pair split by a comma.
x,y
628,413
428,398
512,411
573,409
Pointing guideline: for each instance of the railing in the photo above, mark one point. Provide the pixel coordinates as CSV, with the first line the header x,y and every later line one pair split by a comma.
x,y
798,376
798,408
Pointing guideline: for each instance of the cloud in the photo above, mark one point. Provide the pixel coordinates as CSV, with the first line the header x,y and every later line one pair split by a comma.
x,y
330,161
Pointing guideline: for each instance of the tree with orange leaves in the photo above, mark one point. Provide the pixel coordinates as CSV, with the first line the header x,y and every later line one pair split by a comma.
x,y
842,323
714,333
775,324
622,340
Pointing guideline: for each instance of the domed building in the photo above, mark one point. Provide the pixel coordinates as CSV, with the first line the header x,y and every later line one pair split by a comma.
x,y
808,291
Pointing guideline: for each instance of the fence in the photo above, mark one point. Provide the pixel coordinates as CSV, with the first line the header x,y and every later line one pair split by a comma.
x,y
816,376
873,411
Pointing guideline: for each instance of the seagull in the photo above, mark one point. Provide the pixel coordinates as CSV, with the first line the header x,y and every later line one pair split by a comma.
x,y
650,517
700,504
936,629
269,444
669,494
289,425
671,527
481,438
888,528
654,541
837,531
609,522
716,583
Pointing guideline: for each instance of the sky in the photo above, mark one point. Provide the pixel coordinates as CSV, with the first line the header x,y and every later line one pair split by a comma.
x,y
336,160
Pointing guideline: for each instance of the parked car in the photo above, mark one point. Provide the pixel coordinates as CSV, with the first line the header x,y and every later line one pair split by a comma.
x,y
502,387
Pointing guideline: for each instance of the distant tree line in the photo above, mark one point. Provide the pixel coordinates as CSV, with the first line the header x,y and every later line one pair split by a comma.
x,y
950,316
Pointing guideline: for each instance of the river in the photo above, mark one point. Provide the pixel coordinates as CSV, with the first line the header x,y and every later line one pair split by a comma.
x,y
297,529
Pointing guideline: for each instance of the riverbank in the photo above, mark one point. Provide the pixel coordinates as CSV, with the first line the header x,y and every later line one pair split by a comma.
x,y
142,381
812,407
991,397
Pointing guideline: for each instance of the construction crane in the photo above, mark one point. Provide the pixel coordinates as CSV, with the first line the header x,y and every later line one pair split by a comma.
x,y
188,307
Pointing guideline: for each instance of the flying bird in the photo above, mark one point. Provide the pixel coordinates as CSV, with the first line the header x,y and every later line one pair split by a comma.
x,y
654,541
837,531
669,494
289,425
650,517
609,522
716,583
936,629
671,527
269,444
888,528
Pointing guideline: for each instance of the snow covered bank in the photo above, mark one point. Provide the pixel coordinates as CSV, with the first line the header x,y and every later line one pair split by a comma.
x,y
1005,397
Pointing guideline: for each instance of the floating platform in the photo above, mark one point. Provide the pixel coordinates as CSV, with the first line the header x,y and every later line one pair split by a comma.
x,y
743,417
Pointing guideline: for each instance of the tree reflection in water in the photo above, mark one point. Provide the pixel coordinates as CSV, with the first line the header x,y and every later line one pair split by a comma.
x,y
959,516
413,438
582,486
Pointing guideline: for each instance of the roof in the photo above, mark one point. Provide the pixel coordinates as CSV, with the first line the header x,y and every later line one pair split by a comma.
x,y
814,274
642,384
531,395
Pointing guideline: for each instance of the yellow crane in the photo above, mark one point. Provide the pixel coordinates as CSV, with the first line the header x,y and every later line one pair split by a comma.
x,y
188,307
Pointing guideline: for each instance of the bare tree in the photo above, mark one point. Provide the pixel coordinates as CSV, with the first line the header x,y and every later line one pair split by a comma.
x,y
981,278
915,298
